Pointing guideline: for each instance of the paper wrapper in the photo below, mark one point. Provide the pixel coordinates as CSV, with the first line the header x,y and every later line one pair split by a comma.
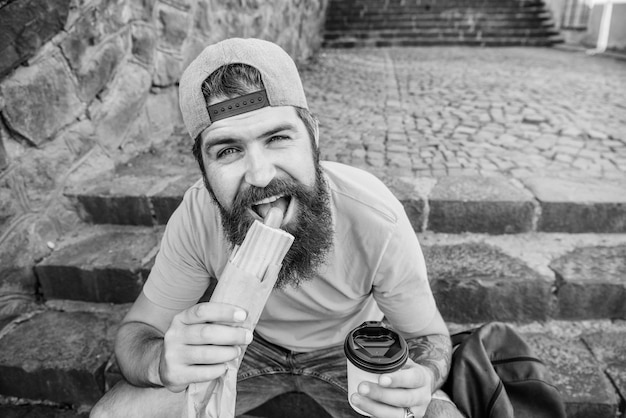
x,y
247,281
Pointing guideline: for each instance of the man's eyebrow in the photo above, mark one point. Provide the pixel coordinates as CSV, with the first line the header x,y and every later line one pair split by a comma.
x,y
277,129
209,143
228,140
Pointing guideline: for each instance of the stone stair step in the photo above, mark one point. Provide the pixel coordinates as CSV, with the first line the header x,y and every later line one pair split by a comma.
x,y
449,204
332,28
100,263
527,277
402,14
585,358
347,22
468,32
58,356
475,277
416,7
429,41
499,205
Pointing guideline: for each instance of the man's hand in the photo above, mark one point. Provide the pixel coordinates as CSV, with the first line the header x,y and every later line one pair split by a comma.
x,y
409,387
198,343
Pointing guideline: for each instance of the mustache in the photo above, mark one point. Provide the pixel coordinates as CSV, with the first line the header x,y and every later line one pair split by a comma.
x,y
253,194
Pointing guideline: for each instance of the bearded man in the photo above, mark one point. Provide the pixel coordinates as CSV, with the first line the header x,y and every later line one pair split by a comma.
x,y
355,258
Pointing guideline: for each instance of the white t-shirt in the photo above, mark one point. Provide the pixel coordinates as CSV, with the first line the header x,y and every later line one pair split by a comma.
x,y
375,268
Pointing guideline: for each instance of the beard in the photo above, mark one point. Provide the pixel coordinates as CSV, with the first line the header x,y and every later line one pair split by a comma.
x,y
312,227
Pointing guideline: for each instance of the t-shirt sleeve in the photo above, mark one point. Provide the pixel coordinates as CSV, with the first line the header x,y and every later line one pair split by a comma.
x,y
179,276
401,286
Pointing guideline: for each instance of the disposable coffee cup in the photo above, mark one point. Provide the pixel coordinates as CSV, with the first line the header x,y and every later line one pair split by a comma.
x,y
372,349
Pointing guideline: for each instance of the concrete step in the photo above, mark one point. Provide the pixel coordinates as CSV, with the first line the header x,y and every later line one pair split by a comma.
x,y
527,277
438,23
58,354
403,14
442,32
100,263
475,277
585,358
429,41
148,189
347,23
416,7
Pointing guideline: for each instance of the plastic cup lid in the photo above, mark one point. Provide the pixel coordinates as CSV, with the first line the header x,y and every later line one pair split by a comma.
x,y
376,348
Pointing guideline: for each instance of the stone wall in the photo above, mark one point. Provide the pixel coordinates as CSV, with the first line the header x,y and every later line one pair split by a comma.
x,y
86,84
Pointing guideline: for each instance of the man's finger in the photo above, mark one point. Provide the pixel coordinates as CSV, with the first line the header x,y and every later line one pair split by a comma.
x,y
215,334
213,312
411,376
211,354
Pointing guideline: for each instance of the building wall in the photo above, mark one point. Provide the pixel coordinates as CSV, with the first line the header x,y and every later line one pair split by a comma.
x,y
617,33
86,84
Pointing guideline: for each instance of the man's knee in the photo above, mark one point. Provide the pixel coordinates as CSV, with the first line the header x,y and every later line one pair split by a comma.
x,y
442,409
125,400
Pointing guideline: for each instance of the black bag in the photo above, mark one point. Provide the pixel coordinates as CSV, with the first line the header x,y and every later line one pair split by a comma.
x,y
495,374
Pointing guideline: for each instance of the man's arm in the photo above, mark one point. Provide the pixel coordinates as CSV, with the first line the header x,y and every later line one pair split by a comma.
x,y
161,347
433,352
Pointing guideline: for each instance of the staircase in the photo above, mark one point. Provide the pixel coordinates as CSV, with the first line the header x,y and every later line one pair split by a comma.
x,y
376,23
523,256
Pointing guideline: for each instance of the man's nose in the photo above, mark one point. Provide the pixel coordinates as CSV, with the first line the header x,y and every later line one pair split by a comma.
x,y
259,169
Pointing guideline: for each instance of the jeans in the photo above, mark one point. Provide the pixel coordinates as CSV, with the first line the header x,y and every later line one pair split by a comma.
x,y
268,370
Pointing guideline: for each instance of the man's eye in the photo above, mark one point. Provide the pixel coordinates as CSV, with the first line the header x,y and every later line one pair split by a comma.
x,y
276,138
226,152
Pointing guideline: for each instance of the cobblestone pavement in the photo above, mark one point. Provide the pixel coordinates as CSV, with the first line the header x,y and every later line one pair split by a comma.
x,y
471,111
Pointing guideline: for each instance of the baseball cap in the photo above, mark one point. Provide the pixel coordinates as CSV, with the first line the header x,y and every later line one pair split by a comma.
x,y
279,74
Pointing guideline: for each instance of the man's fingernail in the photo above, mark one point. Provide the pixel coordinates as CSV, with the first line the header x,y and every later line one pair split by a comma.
x,y
248,336
364,389
385,381
240,316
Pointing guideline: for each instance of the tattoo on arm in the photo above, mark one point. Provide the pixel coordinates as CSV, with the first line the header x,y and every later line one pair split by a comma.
x,y
433,352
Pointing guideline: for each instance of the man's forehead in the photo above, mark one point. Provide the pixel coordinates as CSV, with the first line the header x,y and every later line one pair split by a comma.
x,y
259,122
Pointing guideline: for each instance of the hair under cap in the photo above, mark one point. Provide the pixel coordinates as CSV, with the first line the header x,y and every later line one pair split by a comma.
x,y
278,73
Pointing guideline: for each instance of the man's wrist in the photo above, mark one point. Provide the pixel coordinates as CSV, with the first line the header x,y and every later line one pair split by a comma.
x,y
431,377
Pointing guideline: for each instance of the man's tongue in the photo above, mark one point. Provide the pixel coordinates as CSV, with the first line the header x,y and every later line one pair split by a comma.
x,y
264,208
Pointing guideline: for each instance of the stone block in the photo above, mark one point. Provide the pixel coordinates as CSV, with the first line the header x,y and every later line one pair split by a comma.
x,y
56,356
23,243
121,104
163,114
167,68
9,205
41,99
480,204
577,375
173,25
475,282
609,348
106,203
167,200
143,38
25,25
95,166
105,264
42,169
591,283
411,193
582,205
4,158
94,65
41,411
